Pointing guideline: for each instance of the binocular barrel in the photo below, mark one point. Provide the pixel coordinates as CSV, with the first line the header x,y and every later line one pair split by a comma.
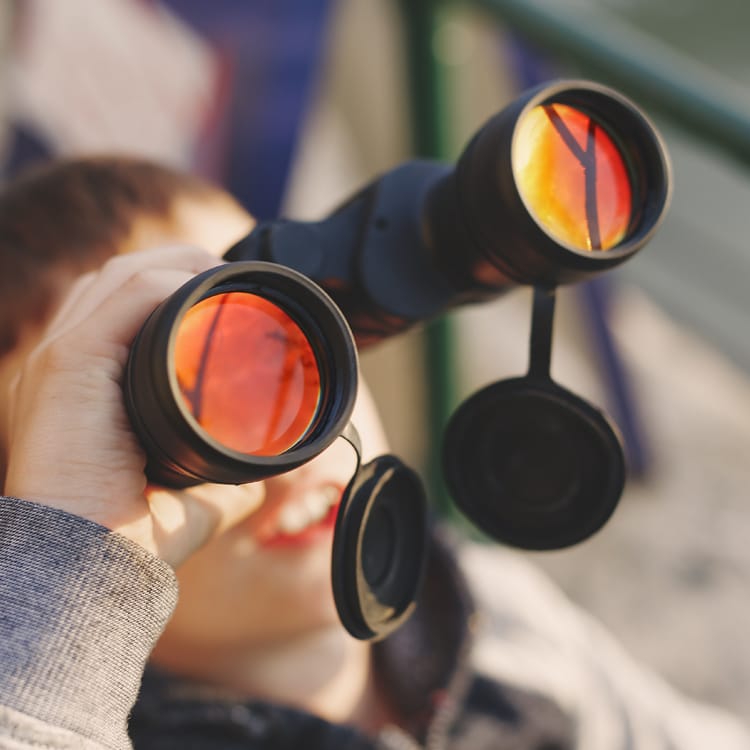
x,y
247,371
251,369
568,181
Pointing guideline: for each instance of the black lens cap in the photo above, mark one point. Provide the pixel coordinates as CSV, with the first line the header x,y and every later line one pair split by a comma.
x,y
533,465
379,548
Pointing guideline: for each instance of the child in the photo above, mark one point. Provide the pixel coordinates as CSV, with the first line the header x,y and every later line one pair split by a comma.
x,y
251,654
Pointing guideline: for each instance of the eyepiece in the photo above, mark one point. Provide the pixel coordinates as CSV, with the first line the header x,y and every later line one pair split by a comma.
x,y
247,371
569,180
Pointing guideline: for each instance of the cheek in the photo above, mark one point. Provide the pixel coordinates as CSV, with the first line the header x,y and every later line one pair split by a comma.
x,y
335,465
233,592
367,421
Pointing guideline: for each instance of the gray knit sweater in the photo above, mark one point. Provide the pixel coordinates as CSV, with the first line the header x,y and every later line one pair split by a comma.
x,y
81,608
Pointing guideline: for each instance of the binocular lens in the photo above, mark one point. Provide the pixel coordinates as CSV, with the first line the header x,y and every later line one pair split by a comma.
x,y
568,181
572,177
247,373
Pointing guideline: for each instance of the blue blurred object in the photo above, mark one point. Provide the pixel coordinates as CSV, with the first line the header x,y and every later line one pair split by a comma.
x,y
272,50
221,88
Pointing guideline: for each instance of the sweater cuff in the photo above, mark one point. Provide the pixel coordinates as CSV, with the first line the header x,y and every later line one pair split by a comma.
x,y
81,607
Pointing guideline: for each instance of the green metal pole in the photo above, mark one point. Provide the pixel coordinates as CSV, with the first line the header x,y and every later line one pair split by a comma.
x,y
431,139
427,95
650,71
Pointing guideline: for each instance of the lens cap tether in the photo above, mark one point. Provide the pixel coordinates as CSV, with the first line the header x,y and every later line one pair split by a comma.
x,y
379,547
529,462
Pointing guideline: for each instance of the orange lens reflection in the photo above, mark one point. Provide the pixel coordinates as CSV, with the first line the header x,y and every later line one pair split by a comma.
x,y
247,373
573,177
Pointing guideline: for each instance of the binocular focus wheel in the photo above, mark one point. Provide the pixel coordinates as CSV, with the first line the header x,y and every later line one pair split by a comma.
x,y
379,548
533,465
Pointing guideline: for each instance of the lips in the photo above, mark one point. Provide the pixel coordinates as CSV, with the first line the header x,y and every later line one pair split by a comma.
x,y
303,520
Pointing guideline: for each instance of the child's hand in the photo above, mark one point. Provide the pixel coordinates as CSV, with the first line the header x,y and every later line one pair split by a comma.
x,y
70,442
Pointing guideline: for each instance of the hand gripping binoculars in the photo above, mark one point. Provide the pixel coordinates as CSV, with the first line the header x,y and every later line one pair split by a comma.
x,y
250,369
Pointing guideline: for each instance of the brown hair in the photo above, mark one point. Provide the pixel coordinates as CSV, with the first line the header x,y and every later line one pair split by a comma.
x,y
73,215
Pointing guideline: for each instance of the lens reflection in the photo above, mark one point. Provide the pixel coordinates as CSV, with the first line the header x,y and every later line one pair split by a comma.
x,y
247,373
573,177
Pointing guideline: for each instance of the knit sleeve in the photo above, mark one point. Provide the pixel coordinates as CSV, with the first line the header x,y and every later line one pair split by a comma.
x,y
81,607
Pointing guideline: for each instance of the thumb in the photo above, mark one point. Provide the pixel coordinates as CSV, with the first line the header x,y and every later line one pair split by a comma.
x,y
182,521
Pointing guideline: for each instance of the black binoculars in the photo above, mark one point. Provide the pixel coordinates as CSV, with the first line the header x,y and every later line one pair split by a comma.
x,y
250,369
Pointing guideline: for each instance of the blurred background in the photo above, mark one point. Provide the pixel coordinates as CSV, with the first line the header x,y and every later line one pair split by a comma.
x,y
293,104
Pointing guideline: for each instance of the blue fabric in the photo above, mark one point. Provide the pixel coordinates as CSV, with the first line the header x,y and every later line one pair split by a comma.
x,y
269,52
25,148
273,48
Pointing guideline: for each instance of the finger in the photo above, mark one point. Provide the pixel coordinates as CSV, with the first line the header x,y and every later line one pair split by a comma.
x,y
71,297
118,317
185,520
90,290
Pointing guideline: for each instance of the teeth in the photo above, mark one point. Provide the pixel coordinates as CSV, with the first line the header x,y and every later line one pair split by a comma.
x,y
293,518
316,504
333,494
312,507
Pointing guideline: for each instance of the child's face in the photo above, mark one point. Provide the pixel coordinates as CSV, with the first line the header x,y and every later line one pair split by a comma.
x,y
269,577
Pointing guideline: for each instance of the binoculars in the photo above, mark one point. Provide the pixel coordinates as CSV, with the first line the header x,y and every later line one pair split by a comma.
x,y
250,369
